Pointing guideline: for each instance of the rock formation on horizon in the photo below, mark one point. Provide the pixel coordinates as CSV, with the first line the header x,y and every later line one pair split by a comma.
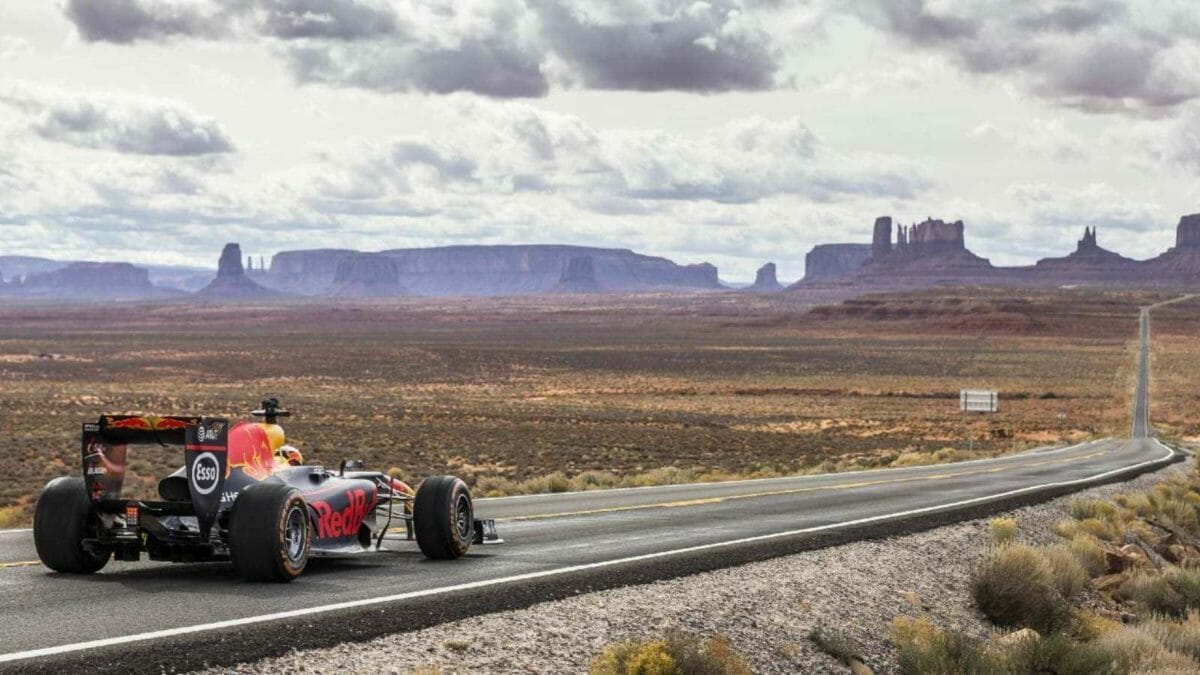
x,y
492,270
367,275
1182,260
765,280
90,280
826,262
930,247
1088,260
231,281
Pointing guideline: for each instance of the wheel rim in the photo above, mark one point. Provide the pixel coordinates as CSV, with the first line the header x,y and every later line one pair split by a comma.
x,y
295,535
462,516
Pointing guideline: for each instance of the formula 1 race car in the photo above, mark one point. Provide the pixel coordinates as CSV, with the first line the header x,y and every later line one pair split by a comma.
x,y
242,494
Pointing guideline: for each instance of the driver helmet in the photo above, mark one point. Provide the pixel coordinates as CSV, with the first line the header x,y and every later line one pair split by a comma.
x,y
291,455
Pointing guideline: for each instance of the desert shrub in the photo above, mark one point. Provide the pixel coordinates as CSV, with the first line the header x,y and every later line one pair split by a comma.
x,y
14,516
1070,577
1004,530
923,649
1015,586
493,486
1082,509
634,658
1086,549
1101,529
1066,528
1152,592
551,482
1173,593
1133,650
1178,636
678,654
1058,654
594,480
914,459
837,644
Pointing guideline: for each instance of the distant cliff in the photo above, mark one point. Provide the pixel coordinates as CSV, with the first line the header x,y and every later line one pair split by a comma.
x,y
831,261
1183,260
367,275
491,270
89,281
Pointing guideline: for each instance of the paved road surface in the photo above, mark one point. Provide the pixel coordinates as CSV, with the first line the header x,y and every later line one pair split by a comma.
x,y
146,616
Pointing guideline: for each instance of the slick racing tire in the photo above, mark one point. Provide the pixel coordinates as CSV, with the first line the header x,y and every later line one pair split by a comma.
x,y
270,534
443,517
62,519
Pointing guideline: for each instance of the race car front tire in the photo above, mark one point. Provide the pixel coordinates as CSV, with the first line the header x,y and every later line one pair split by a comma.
x,y
443,517
270,534
62,519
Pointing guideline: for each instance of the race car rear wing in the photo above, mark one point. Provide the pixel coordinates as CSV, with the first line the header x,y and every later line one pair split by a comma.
x,y
205,442
104,447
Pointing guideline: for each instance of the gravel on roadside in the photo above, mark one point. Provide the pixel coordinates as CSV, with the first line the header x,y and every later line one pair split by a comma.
x,y
766,610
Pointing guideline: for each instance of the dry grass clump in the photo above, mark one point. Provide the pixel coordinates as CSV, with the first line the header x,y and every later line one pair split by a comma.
x,y
14,516
940,456
1172,593
1018,586
1068,573
924,649
1004,530
1179,636
1086,549
676,654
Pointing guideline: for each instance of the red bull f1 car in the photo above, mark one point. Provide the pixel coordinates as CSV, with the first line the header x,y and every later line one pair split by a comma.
x,y
242,495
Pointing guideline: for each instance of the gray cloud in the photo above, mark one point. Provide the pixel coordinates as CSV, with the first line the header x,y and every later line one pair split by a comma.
x,y
490,67
131,127
499,48
1099,56
125,21
704,47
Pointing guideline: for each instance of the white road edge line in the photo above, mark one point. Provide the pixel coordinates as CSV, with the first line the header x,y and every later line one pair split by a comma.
x,y
814,476
18,531
353,604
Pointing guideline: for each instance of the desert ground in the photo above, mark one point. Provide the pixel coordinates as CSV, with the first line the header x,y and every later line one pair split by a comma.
x,y
507,392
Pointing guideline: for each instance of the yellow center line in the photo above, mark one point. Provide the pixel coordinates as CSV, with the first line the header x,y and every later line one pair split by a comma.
x,y
22,563
815,488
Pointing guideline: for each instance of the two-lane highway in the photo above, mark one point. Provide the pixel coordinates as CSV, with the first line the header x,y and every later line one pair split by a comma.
x,y
148,616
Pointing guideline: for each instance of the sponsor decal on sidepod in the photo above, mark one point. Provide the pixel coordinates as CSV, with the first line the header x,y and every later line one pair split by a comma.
x,y
333,524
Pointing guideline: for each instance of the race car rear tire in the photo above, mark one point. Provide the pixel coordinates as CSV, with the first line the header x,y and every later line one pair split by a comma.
x,y
270,533
443,517
62,519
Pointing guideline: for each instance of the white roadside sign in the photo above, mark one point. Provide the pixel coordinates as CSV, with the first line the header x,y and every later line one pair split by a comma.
x,y
979,400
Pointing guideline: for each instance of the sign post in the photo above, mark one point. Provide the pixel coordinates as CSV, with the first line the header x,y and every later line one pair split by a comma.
x,y
979,401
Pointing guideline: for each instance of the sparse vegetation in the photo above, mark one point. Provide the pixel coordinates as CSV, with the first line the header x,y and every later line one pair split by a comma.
x,y
1136,558
676,654
1016,587
838,644
1004,530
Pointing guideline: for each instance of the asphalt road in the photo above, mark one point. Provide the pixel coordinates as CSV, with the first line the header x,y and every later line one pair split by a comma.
x,y
152,616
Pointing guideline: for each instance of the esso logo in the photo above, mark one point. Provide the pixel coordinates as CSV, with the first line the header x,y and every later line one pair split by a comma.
x,y
205,471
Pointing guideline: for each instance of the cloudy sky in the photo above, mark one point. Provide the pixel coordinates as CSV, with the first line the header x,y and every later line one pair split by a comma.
x,y
729,131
